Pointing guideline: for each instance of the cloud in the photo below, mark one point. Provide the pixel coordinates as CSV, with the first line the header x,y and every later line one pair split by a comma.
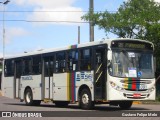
x,y
60,16
45,3
13,33
58,11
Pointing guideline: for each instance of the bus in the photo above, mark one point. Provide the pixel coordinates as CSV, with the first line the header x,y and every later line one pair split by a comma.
x,y
112,71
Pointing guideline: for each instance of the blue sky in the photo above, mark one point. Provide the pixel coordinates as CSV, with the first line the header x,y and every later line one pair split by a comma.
x,y
30,36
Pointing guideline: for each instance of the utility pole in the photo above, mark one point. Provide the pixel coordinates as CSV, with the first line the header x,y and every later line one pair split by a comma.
x,y
91,25
78,34
5,2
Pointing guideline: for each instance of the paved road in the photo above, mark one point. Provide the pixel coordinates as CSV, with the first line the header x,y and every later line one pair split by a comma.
x,y
7,104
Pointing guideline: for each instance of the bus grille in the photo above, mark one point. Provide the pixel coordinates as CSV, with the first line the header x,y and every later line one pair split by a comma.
x,y
131,84
136,90
131,96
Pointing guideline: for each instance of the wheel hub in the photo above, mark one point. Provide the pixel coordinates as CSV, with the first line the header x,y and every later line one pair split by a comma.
x,y
85,99
28,97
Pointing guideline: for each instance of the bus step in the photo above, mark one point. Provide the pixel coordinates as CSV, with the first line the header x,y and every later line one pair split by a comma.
x,y
47,100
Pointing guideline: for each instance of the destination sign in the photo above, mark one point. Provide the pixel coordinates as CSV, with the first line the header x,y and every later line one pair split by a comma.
x,y
132,45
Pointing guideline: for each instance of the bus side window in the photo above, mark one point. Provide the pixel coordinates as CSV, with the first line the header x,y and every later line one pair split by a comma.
x,y
9,68
18,68
46,63
49,65
73,60
36,65
85,60
27,66
98,58
60,63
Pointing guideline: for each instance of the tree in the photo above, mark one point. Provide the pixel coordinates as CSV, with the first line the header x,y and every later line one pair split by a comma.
x,y
138,19
0,64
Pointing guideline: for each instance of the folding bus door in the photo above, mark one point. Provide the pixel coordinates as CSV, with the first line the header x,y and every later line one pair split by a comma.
x,y
48,77
17,76
100,72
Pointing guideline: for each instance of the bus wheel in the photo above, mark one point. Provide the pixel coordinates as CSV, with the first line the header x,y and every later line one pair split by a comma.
x,y
29,98
125,104
85,99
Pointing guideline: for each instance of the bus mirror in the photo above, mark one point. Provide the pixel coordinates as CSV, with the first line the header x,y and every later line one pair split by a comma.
x,y
109,55
108,63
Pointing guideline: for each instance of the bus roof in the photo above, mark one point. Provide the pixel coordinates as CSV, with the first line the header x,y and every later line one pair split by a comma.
x,y
103,41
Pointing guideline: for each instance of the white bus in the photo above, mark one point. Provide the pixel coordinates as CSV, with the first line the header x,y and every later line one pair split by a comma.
x,y
115,71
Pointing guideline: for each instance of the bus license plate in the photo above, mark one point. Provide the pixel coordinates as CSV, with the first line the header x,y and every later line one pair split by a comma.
x,y
136,95
142,87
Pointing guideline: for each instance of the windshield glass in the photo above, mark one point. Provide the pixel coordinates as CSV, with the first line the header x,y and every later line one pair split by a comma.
x,y
132,64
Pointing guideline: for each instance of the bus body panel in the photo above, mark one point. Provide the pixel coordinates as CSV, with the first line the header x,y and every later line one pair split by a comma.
x,y
8,87
48,88
22,93
67,85
117,91
60,87
34,82
85,78
18,90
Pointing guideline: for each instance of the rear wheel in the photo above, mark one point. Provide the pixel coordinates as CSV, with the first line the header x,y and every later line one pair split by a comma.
x,y
29,98
125,104
85,99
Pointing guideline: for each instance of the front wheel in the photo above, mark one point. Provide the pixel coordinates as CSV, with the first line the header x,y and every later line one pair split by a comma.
x,y
125,104
85,99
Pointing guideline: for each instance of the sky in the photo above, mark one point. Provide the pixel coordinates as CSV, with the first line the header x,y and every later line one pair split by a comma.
x,y
24,32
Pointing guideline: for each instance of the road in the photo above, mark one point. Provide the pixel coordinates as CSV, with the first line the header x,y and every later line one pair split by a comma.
x,y
104,111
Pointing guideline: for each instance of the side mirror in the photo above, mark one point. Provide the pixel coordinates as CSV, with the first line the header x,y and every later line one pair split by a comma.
x,y
108,63
109,55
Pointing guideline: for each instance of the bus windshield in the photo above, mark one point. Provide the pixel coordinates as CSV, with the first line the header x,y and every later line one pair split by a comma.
x,y
132,64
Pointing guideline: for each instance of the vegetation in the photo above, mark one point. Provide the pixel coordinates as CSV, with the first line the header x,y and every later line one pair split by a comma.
x,y
0,66
139,19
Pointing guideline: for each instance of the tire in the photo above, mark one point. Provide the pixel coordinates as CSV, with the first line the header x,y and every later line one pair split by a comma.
x,y
85,100
61,103
125,104
29,98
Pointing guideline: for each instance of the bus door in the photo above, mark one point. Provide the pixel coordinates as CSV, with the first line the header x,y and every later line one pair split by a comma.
x,y
100,72
17,76
48,77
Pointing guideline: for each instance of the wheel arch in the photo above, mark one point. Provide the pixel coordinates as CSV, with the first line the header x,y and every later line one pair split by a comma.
x,y
27,87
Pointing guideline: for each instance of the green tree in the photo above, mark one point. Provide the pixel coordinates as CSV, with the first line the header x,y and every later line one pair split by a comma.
x,y
0,65
138,19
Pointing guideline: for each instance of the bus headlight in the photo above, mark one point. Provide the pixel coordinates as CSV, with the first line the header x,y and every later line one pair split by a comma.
x,y
116,86
151,89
